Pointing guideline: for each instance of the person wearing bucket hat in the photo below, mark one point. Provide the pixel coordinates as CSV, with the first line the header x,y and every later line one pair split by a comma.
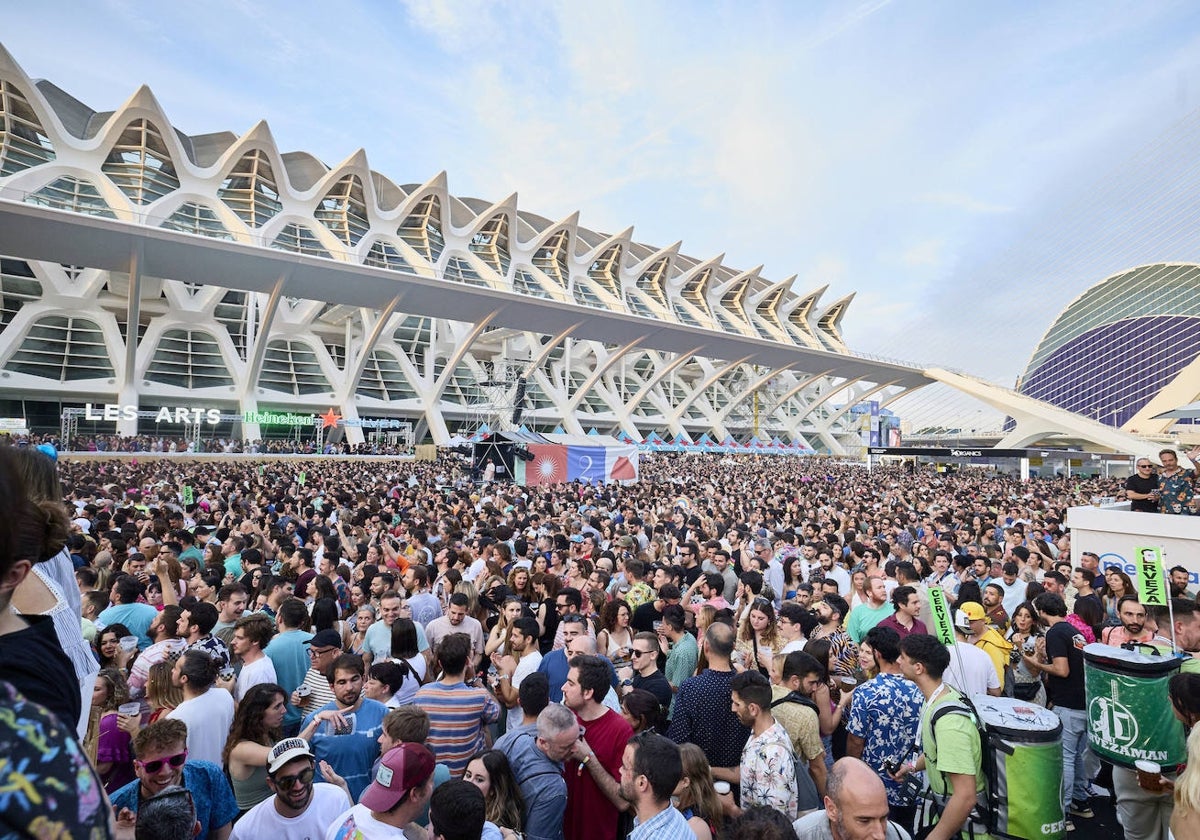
x,y
397,795
300,807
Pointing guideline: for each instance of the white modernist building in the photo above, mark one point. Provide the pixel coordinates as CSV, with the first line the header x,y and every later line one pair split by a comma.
x,y
145,268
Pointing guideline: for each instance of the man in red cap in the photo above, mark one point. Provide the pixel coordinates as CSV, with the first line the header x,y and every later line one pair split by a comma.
x,y
398,795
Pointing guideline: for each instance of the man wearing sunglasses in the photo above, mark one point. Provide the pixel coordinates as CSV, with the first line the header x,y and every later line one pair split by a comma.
x,y
300,806
163,762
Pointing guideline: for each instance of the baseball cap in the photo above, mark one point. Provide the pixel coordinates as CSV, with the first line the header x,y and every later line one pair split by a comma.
x,y
970,611
287,750
404,768
326,638
625,542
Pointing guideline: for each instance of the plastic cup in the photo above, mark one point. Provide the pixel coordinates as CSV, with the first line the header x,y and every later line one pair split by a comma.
x,y
128,643
721,786
130,709
1149,775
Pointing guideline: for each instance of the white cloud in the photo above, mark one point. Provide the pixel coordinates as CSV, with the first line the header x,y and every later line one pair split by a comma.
x,y
962,201
927,254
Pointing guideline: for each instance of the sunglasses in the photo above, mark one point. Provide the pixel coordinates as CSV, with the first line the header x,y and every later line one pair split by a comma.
x,y
304,777
176,761
635,652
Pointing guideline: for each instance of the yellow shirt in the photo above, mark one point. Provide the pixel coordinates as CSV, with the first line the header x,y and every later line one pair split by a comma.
x,y
998,650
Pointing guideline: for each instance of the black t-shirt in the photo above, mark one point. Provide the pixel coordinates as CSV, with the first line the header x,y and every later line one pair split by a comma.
x,y
34,662
657,685
1064,640
1138,484
644,617
691,575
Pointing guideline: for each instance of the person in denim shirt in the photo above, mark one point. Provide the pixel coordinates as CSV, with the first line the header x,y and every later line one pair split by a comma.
x,y
536,757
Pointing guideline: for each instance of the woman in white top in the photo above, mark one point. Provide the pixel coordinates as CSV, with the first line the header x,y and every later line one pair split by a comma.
x,y
409,658
51,589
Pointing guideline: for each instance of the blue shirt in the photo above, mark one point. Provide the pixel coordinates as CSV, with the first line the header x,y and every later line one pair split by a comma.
x,y
541,781
667,824
703,717
136,616
885,712
351,755
211,794
554,666
288,652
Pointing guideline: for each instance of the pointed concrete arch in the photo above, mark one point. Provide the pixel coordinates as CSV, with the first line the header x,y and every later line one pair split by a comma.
x,y
600,370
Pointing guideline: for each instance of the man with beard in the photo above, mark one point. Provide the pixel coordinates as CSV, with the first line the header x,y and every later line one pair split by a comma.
x,y
1133,624
995,614
345,732
843,652
163,762
300,807
651,767
523,660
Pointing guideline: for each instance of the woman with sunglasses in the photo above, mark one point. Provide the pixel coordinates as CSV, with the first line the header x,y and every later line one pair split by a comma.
x,y
257,725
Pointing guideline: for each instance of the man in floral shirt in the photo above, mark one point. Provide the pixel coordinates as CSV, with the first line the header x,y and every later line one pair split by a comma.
x,y
883,720
1176,486
768,771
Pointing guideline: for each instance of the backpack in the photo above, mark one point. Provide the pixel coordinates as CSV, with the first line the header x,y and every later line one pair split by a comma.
x,y
1039,814
809,798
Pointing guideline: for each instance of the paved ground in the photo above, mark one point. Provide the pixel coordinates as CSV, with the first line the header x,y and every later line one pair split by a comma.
x,y
1103,825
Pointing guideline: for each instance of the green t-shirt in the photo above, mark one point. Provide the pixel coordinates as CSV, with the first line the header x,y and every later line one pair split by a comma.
x,y
956,748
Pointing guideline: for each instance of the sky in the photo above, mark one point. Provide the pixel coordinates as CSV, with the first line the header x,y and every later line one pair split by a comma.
x,y
965,169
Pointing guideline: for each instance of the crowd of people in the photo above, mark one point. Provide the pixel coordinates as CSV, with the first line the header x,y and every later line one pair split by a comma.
x,y
730,647
305,444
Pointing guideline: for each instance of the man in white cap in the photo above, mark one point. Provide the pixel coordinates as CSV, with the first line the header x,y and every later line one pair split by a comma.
x,y
971,671
300,807
401,789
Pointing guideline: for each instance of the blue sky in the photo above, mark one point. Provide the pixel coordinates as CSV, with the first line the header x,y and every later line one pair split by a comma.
x,y
954,163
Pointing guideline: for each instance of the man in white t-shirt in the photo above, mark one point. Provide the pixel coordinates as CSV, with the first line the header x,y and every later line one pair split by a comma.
x,y
251,635
971,670
791,630
299,807
398,795
524,660
207,710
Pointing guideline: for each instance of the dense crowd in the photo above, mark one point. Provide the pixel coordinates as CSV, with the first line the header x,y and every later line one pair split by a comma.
x,y
176,444
728,647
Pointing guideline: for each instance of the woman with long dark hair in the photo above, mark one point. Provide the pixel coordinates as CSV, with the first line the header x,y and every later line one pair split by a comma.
x,y
108,648
32,532
503,801
325,617
409,658
642,710
257,726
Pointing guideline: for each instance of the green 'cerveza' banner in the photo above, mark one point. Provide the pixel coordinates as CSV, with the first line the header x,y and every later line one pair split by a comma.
x,y
939,612
1152,590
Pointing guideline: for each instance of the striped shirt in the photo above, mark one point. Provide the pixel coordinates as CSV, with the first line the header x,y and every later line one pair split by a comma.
x,y
458,714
